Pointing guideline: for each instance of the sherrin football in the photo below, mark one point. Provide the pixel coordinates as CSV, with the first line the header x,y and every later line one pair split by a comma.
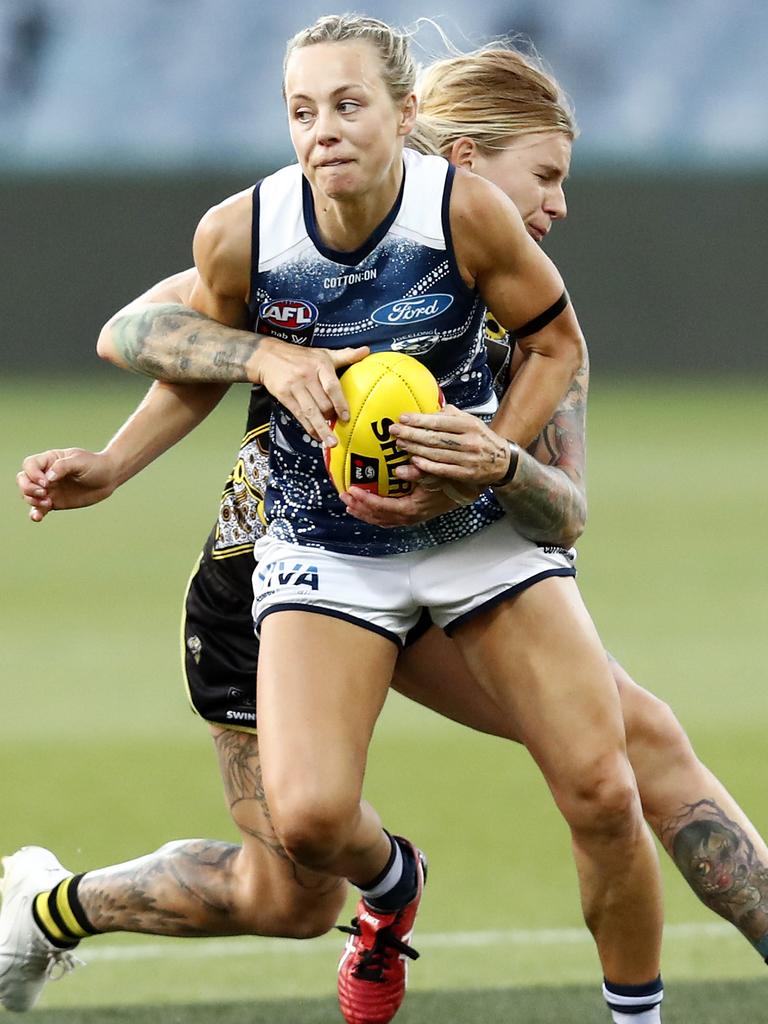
x,y
378,390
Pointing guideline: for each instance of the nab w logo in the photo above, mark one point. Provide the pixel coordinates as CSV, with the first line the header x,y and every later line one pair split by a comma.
x,y
290,314
281,574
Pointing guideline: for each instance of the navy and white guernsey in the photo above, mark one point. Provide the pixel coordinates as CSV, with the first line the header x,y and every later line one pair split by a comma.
x,y
402,291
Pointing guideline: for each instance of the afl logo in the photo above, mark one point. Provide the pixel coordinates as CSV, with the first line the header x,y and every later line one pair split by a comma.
x,y
412,310
290,314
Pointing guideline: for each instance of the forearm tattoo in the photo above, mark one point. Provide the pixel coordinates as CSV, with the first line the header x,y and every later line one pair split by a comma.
x,y
174,343
546,499
721,865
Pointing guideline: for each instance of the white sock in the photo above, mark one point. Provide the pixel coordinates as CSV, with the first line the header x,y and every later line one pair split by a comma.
x,y
652,1016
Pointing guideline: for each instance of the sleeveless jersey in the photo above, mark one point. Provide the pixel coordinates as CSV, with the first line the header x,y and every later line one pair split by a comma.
x,y
401,291
240,520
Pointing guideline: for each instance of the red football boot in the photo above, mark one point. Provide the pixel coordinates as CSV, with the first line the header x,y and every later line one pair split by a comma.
x,y
373,969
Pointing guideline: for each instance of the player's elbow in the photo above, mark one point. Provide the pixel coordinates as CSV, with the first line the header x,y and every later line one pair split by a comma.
x,y
574,352
106,347
568,531
565,345
575,524
577,521
573,534
566,526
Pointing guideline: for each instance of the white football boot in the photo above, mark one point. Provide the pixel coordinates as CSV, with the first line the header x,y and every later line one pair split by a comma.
x,y
27,958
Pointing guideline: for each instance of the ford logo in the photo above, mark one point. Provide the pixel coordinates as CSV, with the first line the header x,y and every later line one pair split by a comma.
x,y
413,310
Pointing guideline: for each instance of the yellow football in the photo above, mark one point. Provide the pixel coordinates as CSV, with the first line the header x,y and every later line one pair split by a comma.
x,y
378,390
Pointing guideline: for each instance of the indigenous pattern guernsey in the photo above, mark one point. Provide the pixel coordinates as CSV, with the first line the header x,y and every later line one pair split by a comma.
x,y
400,291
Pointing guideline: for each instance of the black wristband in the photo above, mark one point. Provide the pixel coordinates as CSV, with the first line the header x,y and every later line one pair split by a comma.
x,y
514,458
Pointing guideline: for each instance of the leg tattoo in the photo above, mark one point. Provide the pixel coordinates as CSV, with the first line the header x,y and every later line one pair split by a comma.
x,y
721,865
185,888
244,789
204,887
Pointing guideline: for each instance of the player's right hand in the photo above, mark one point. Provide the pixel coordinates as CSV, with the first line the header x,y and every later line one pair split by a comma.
x,y
305,381
422,504
64,478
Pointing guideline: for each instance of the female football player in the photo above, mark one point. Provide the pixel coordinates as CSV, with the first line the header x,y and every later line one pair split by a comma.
x,y
350,236
253,887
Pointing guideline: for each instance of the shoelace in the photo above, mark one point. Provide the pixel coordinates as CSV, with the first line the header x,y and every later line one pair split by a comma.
x,y
371,962
61,963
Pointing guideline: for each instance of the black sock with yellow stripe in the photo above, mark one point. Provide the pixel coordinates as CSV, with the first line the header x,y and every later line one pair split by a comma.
x,y
59,914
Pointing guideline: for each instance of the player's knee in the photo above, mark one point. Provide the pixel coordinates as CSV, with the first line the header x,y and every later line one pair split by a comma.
x,y
602,802
660,752
654,730
656,741
312,831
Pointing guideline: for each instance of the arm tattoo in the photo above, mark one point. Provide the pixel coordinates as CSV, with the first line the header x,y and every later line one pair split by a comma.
x,y
546,499
721,865
174,343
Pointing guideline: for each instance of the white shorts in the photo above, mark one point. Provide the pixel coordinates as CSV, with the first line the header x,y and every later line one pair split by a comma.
x,y
387,594
457,581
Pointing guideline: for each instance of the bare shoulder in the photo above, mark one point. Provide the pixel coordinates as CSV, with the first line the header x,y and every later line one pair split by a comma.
x,y
485,224
222,245
475,202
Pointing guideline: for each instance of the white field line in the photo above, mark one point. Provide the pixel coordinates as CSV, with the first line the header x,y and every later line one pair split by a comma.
x,y
205,948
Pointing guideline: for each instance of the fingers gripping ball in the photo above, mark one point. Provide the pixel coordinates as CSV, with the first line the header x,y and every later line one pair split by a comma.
x,y
378,390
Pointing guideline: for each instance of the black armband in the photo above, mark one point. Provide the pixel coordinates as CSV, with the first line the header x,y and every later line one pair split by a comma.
x,y
514,458
541,321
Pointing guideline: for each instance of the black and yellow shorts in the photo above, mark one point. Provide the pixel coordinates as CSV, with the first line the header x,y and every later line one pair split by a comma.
x,y
219,648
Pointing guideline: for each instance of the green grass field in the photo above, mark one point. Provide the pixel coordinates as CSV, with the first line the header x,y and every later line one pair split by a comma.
x,y
101,760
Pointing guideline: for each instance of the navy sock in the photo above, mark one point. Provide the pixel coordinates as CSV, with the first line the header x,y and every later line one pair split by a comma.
x,y
397,884
634,1004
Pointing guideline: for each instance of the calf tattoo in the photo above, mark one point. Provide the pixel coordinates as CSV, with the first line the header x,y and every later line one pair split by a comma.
x,y
184,888
721,865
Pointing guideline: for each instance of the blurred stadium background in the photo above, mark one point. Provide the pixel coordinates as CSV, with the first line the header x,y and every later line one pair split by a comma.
x,y
120,123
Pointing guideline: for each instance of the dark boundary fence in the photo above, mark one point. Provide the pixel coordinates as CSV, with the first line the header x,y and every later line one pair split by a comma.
x,y
667,271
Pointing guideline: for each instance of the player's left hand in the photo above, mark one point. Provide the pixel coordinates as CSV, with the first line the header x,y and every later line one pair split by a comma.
x,y
418,506
454,446
65,478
